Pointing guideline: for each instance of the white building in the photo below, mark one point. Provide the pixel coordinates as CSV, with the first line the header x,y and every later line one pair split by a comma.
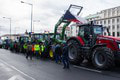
x,y
7,36
67,30
108,18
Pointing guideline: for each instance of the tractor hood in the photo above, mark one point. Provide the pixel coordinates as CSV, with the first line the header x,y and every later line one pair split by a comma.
x,y
110,37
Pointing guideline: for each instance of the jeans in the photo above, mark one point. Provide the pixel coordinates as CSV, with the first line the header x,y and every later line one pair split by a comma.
x,y
37,54
65,61
29,53
57,58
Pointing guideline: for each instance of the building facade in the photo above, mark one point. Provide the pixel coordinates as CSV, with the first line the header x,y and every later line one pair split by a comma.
x,y
108,18
67,31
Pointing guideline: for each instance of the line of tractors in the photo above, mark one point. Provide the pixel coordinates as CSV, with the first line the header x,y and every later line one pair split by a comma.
x,y
89,44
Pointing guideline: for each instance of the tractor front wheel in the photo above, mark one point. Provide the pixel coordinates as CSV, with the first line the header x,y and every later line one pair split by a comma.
x,y
51,53
103,58
74,52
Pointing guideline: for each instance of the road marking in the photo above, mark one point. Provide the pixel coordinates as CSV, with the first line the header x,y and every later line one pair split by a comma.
x,y
16,77
5,67
17,70
87,69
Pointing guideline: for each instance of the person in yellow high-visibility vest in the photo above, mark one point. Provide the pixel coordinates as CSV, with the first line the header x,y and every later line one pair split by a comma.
x,y
25,47
42,47
37,49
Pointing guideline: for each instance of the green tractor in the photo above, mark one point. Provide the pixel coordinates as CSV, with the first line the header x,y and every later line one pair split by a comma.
x,y
21,45
49,41
58,38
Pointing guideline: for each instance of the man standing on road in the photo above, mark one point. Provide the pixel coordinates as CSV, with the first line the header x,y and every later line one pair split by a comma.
x,y
29,51
65,58
37,49
58,52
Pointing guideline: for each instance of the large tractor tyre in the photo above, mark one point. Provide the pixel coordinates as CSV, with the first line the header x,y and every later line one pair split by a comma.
x,y
103,58
74,52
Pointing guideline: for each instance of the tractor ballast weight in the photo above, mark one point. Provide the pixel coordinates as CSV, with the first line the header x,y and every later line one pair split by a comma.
x,y
102,51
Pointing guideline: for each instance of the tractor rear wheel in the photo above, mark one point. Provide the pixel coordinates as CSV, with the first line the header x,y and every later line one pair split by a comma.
x,y
74,52
103,58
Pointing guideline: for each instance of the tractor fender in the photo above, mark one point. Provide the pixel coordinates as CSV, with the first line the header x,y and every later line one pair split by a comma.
x,y
98,45
78,39
93,48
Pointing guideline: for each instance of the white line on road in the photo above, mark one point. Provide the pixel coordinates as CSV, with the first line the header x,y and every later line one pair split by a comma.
x,y
17,70
16,77
3,66
87,69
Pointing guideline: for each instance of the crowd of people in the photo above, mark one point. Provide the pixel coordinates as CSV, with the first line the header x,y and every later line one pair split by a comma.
x,y
60,52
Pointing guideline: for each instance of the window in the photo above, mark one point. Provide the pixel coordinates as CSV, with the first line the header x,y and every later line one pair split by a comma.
x,y
113,12
117,20
108,21
118,27
113,20
97,22
81,31
118,34
109,27
109,13
118,11
105,33
104,21
100,22
98,30
104,13
113,27
113,33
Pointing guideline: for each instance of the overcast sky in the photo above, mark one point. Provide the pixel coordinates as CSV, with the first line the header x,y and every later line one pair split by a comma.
x,y
45,12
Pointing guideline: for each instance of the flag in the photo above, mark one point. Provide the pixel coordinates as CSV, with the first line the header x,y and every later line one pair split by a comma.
x,y
74,18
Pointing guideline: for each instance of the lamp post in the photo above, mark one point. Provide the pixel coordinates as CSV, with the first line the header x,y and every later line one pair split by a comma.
x,y
10,25
31,12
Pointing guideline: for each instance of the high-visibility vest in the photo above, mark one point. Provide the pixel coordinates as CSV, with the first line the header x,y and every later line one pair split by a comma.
x,y
42,48
36,47
25,46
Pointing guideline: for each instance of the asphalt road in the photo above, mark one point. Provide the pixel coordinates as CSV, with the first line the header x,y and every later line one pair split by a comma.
x,y
16,67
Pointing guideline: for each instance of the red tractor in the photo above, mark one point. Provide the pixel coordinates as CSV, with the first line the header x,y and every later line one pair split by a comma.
x,y
91,44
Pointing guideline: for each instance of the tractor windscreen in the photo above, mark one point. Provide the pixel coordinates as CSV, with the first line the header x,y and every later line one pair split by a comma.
x,y
98,30
25,39
38,36
57,36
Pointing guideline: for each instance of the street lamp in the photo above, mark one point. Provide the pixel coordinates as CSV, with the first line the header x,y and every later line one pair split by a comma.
x,y
31,12
10,25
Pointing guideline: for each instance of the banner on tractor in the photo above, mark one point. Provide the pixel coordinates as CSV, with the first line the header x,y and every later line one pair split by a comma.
x,y
74,18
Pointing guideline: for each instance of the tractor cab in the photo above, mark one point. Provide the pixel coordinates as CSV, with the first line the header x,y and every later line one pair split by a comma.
x,y
89,33
37,37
